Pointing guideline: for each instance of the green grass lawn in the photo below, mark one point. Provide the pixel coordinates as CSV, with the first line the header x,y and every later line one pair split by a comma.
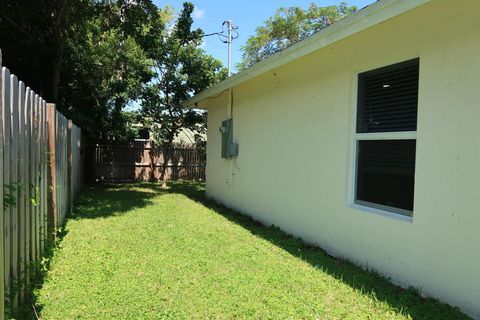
x,y
140,252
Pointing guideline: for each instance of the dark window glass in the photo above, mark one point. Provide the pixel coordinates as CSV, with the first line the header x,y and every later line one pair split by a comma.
x,y
385,172
388,98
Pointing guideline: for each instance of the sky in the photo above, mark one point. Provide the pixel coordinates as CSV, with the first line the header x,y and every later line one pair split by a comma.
x,y
246,14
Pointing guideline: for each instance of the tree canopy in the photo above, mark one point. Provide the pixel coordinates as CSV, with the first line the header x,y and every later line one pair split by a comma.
x,y
181,68
288,26
109,61
90,57
95,57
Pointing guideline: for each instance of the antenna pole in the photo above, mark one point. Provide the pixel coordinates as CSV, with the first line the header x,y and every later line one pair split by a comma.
x,y
230,29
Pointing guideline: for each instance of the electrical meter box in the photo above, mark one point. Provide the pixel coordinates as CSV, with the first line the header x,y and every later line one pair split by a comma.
x,y
229,149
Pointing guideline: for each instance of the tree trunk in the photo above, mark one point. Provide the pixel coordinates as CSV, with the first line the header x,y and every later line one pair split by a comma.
x,y
58,26
167,149
57,68
151,154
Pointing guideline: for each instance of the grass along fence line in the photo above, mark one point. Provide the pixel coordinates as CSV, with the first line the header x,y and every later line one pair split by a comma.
x,y
137,251
40,173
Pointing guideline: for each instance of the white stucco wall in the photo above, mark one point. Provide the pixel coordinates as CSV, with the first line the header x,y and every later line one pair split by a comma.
x,y
295,130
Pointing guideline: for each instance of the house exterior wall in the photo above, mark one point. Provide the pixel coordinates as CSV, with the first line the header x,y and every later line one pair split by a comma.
x,y
295,129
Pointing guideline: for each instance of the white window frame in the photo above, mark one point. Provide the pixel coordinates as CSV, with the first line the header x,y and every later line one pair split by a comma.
x,y
352,202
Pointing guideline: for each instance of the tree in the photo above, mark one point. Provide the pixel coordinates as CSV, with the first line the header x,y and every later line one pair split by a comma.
x,y
181,69
33,40
288,26
91,57
109,63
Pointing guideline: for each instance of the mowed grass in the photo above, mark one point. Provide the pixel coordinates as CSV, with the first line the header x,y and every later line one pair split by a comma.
x,y
140,252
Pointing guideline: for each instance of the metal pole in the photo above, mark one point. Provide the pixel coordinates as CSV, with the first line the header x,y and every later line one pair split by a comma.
x,y
230,29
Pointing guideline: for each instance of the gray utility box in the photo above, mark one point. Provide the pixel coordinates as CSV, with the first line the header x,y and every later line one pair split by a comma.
x,y
229,149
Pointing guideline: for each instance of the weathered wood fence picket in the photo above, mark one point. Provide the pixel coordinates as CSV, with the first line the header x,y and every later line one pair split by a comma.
x,y
40,157
143,161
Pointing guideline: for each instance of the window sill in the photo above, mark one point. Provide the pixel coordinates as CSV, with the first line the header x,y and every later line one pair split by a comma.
x,y
384,213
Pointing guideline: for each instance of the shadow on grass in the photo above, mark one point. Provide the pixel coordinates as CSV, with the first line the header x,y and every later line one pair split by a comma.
x,y
28,308
99,201
112,200
407,301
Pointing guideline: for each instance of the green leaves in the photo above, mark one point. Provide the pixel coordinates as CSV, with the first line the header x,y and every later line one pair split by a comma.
x,y
181,69
183,32
288,26
110,52
95,57
10,191
13,190
91,57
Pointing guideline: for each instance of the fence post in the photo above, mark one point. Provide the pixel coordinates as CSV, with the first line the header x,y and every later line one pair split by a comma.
x,y
14,193
69,166
23,197
28,182
35,176
52,185
2,253
6,178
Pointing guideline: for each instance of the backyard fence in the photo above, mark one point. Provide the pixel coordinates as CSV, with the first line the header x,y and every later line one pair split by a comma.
x,y
143,161
40,159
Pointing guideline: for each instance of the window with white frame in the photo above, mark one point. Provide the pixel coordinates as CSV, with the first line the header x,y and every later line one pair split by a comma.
x,y
385,138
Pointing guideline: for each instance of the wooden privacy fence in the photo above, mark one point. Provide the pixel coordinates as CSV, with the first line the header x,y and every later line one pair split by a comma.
x,y
41,161
143,161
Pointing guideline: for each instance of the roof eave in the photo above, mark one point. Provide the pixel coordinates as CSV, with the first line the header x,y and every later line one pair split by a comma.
x,y
372,15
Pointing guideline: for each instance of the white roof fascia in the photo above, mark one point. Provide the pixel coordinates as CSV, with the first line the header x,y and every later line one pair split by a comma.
x,y
374,14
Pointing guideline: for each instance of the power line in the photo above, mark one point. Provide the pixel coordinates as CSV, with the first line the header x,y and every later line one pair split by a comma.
x,y
222,33
227,36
